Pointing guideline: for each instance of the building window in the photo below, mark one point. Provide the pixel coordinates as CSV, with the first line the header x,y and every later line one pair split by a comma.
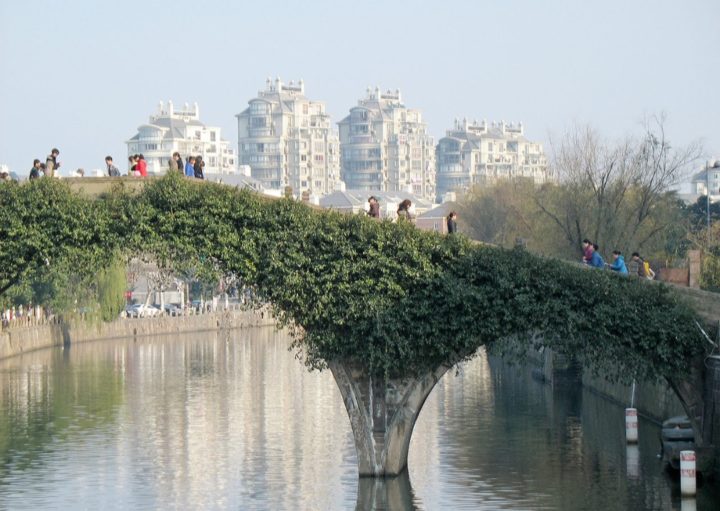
x,y
258,122
259,108
212,136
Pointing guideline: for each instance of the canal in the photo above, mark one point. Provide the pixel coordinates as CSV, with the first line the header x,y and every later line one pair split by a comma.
x,y
234,421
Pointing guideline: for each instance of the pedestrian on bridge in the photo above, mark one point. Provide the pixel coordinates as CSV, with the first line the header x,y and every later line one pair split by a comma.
x,y
141,165
403,211
52,163
35,170
587,250
198,168
190,166
618,264
452,222
112,170
596,260
374,210
178,161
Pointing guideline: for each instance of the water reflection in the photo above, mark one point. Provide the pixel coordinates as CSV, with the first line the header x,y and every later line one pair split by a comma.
x,y
235,422
393,493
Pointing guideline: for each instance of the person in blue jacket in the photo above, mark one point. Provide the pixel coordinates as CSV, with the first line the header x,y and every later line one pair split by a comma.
x,y
618,264
190,167
596,260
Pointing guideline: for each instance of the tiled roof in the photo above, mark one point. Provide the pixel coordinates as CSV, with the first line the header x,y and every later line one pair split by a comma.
x,y
441,211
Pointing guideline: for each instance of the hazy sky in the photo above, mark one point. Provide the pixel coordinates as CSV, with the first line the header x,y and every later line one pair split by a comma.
x,y
83,75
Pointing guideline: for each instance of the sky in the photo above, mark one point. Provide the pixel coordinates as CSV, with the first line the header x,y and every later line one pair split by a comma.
x,y
83,75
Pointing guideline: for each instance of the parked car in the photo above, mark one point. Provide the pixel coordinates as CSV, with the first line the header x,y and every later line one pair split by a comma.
x,y
140,310
197,305
172,309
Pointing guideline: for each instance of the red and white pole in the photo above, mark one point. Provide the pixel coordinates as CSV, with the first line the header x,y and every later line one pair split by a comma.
x,y
687,473
631,425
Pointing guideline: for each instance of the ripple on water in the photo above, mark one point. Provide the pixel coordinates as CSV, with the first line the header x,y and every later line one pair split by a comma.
x,y
194,422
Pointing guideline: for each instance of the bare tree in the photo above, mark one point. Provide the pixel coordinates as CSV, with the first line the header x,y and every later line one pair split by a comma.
x,y
608,192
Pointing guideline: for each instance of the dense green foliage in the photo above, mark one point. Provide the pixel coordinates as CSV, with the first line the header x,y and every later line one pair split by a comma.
x,y
397,299
110,289
52,242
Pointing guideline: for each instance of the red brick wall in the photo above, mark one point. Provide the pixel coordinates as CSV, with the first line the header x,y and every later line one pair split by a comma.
x,y
678,276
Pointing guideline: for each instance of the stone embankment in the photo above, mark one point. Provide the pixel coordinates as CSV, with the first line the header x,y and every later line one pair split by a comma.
x,y
21,338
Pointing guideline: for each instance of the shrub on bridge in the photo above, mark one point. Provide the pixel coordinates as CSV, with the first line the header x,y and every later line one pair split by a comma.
x,y
44,226
401,300
389,296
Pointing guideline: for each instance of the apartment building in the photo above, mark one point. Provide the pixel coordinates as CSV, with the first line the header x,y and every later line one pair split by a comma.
x,y
478,153
385,146
288,140
172,130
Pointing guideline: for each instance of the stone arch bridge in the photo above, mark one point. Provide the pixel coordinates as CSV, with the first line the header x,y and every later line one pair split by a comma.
x,y
386,308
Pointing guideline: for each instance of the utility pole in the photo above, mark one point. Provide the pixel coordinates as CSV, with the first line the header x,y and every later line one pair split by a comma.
x,y
707,194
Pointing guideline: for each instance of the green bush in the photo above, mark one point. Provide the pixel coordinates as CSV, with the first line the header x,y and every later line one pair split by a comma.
x,y
394,298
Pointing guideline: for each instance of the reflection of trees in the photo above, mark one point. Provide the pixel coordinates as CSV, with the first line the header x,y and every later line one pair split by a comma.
x,y
52,399
532,446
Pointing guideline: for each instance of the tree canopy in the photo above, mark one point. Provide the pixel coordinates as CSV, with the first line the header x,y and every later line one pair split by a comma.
x,y
389,296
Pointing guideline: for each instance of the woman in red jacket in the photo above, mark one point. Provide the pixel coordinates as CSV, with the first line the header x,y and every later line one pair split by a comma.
x,y
142,166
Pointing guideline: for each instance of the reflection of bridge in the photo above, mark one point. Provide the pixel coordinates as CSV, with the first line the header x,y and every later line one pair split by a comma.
x,y
383,408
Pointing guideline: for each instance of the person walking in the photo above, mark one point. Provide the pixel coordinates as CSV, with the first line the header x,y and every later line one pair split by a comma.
x,y
618,264
587,250
374,210
198,168
141,166
633,265
178,161
35,170
52,163
403,212
190,167
112,170
596,260
452,222
132,166
643,267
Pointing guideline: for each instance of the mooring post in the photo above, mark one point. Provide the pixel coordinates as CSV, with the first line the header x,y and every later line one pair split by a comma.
x,y
382,414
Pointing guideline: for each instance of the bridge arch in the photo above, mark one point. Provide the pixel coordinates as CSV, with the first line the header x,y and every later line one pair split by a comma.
x,y
386,307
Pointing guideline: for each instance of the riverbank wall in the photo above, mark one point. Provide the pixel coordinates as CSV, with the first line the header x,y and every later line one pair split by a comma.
x,y
22,339
655,401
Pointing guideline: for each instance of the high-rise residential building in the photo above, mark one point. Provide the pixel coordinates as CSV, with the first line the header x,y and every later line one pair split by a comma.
x,y
385,146
478,153
288,140
173,130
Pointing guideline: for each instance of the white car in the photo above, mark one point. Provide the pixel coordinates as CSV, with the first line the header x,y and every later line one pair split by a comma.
x,y
140,310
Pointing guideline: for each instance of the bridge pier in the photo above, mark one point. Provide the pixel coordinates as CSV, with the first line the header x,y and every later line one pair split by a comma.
x,y
382,414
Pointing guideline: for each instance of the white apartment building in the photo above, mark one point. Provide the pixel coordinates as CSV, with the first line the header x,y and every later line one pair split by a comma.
x,y
707,179
287,140
173,130
478,153
385,146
